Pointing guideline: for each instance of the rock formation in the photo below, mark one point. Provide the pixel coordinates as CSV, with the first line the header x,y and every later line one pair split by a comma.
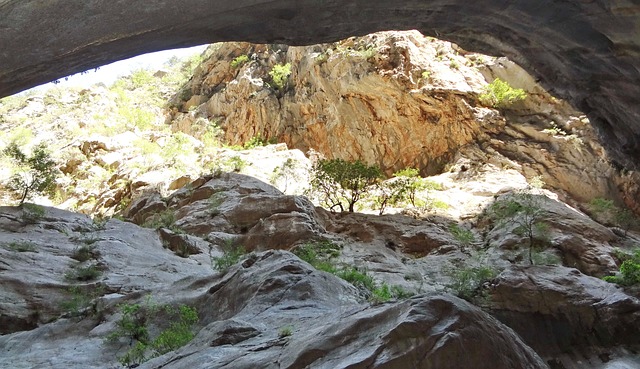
x,y
71,285
586,52
398,100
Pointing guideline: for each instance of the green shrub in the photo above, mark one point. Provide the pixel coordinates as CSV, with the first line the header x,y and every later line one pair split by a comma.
x,y
524,210
239,61
80,299
255,141
163,219
608,212
35,174
83,274
401,188
22,246
32,213
286,331
135,326
280,75
85,252
358,278
285,173
320,254
179,332
462,235
467,282
499,94
342,184
231,254
629,271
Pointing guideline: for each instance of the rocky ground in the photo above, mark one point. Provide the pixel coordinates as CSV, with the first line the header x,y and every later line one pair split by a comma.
x,y
70,280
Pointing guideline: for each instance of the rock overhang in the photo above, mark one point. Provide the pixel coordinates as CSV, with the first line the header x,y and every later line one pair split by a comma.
x,y
588,53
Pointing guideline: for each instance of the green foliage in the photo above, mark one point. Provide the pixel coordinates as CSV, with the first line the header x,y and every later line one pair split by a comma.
x,y
358,278
36,173
231,254
280,75
21,246
134,325
367,52
403,187
607,211
239,61
524,210
80,299
629,271
214,202
255,141
285,331
499,94
179,332
462,235
163,219
320,254
83,274
85,252
342,184
285,173
467,282
32,213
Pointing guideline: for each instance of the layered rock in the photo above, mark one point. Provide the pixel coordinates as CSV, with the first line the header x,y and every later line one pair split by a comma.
x,y
239,311
585,51
399,99
559,310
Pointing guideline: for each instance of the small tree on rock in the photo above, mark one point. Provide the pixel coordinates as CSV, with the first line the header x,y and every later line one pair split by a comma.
x,y
524,210
341,184
36,173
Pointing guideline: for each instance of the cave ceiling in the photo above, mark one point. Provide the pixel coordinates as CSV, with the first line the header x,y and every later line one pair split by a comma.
x,y
585,51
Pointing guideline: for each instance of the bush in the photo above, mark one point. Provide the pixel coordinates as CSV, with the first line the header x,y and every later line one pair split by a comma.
x,y
467,282
629,271
320,254
22,246
83,274
341,183
404,186
134,326
608,212
231,254
462,235
239,61
285,173
32,213
163,219
524,209
499,94
286,331
280,75
35,174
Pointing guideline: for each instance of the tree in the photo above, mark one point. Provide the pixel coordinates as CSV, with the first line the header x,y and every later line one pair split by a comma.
x,y
340,183
524,209
404,186
35,174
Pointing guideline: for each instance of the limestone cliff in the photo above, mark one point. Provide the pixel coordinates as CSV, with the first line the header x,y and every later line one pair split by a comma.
x,y
400,99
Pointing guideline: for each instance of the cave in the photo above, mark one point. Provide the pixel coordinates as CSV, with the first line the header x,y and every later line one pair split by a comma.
x,y
585,52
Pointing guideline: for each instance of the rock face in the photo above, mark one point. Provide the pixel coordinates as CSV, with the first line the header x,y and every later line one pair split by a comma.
x,y
587,52
398,100
580,311
239,311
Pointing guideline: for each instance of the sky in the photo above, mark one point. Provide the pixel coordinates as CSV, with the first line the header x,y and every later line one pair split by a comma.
x,y
107,74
